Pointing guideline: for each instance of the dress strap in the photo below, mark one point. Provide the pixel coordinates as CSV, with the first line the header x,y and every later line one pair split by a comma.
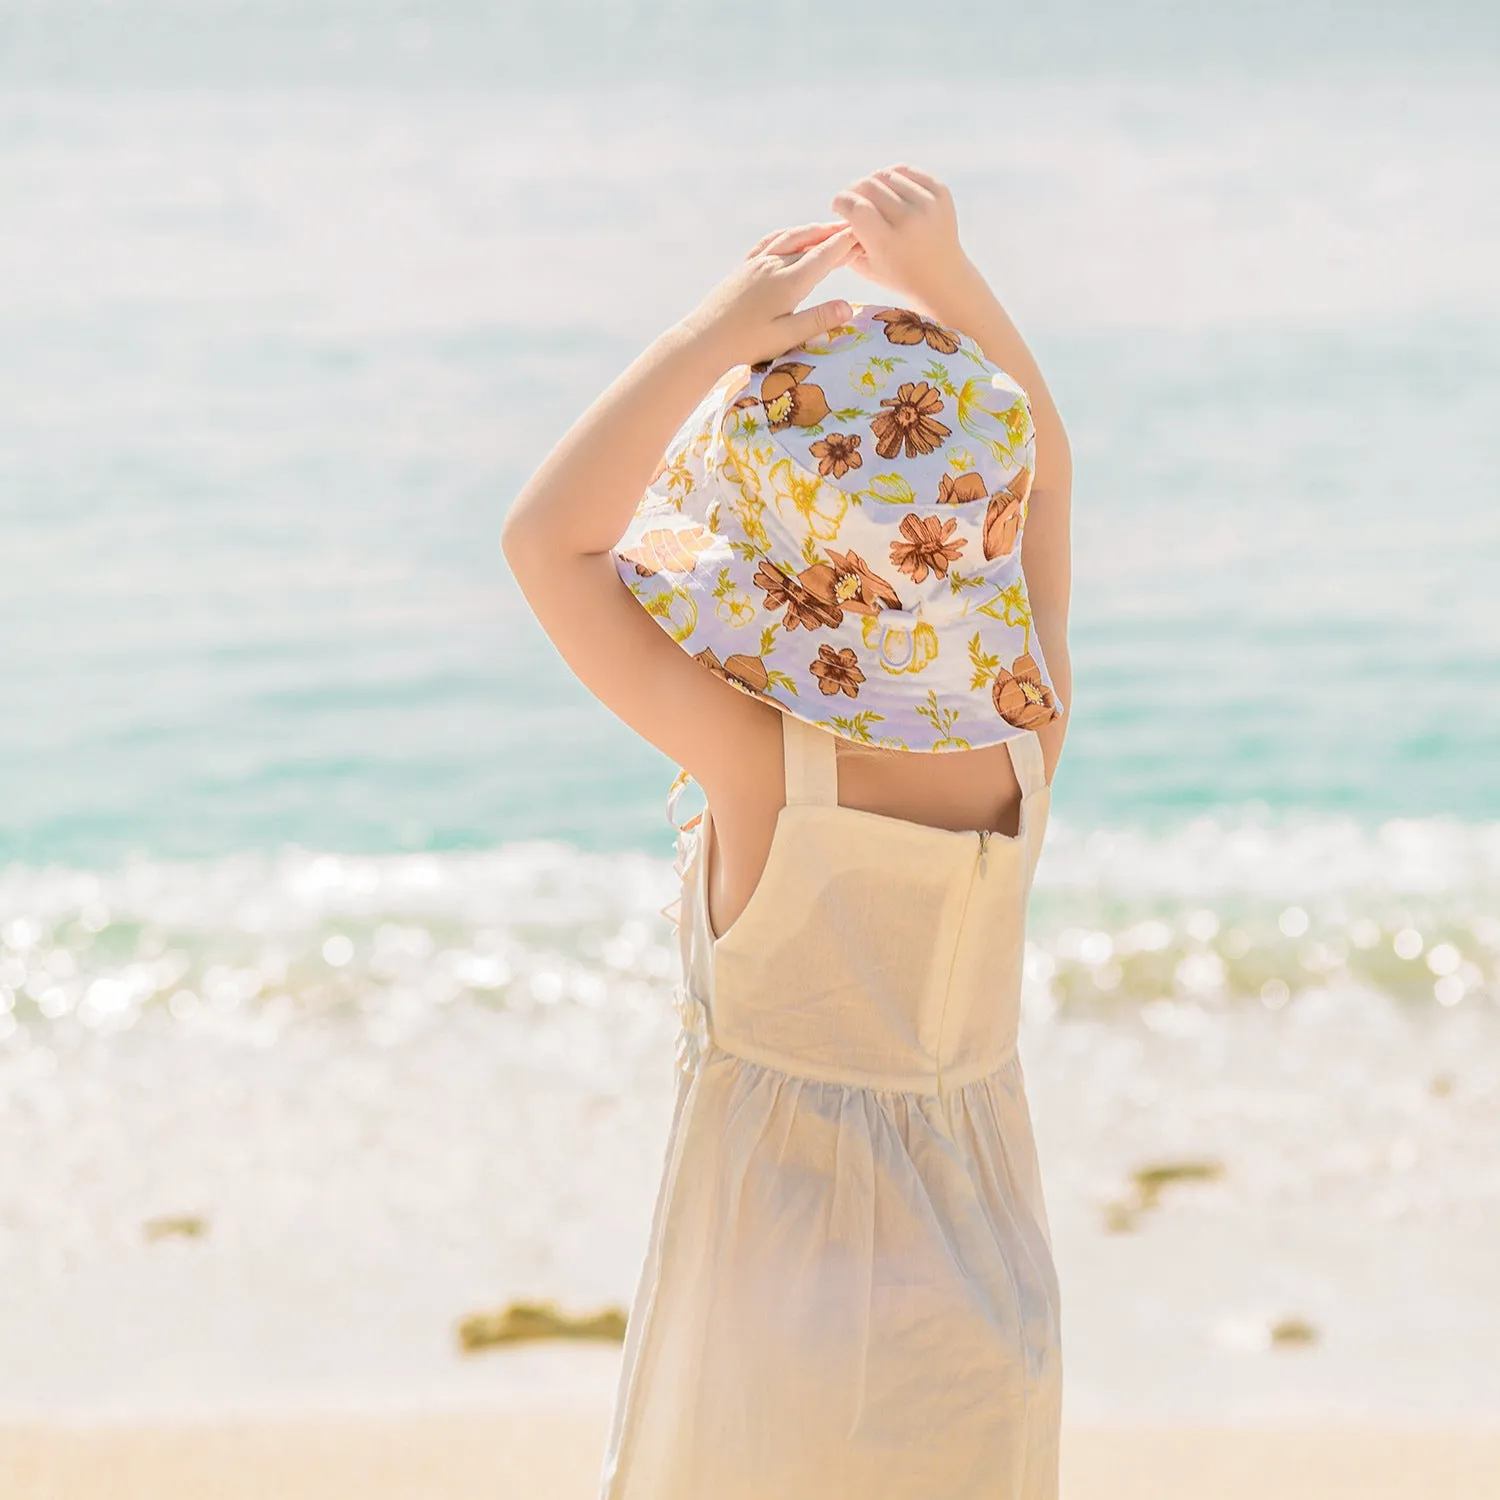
x,y
810,759
1026,758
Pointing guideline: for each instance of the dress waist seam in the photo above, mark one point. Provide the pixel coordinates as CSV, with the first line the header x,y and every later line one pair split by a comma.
x,y
953,1079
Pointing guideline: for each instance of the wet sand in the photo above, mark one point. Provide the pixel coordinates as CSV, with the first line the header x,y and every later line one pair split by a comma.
x,y
554,1455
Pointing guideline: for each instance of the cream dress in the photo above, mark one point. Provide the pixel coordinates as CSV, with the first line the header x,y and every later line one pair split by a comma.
x,y
848,1289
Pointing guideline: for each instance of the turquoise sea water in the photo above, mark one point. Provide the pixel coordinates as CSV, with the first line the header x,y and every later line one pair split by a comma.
x,y
275,611
313,859
281,339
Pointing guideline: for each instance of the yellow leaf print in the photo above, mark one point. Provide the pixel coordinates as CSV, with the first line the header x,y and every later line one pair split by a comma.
x,y
942,719
820,505
995,417
678,609
960,459
983,662
857,727
936,373
900,648
679,480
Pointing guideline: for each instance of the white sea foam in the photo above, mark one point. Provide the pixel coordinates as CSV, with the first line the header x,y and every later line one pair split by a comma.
x,y
1121,917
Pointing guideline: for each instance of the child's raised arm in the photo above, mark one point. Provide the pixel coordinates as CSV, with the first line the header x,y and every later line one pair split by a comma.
x,y
908,241
559,533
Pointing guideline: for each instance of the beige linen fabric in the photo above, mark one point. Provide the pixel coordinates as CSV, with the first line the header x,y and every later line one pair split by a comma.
x,y
848,1289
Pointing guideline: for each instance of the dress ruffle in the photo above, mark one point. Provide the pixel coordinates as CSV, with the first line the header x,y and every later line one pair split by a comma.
x,y
692,1034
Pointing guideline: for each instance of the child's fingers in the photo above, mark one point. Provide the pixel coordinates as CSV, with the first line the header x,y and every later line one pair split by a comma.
x,y
764,243
811,321
910,191
817,262
787,241
862,214
922,179
879,192
796,241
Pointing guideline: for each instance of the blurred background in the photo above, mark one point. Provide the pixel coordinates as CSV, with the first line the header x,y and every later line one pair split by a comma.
x,y
334,985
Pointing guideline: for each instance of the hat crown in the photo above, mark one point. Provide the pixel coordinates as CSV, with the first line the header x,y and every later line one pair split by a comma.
x,y
895,431
894,396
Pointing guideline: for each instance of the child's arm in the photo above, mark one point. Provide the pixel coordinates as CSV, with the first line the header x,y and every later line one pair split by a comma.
x,y
559,533
908,241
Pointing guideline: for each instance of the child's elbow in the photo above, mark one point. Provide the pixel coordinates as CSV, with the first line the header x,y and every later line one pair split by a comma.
x,y
518,540
1055,458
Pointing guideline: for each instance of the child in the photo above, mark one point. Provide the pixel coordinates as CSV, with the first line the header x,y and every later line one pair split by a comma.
x,y
787,548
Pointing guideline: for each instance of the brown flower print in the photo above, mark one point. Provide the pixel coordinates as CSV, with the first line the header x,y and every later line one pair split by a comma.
x,y
837,454
926,546
788,402
837,671
911,419
807,606
962,489
846,585
1002,520
664,548
748,671
1021,697
903,326
851,585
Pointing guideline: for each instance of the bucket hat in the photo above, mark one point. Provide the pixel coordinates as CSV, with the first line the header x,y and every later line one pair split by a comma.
x,y
838,533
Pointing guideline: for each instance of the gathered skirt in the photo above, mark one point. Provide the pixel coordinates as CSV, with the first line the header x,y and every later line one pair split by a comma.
x,y
847,1292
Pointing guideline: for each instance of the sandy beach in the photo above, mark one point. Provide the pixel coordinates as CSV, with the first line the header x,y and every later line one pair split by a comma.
x,y
553,1455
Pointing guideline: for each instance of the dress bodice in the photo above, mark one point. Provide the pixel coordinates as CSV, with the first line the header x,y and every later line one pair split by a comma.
x,y
874,950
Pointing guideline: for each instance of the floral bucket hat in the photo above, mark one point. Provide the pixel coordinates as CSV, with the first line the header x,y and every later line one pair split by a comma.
x,y
838,533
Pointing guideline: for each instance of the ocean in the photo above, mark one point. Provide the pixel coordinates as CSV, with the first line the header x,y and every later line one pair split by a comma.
x,y
330,905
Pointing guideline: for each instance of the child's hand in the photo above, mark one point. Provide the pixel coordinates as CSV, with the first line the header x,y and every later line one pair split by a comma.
x,y
907,231
751,315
